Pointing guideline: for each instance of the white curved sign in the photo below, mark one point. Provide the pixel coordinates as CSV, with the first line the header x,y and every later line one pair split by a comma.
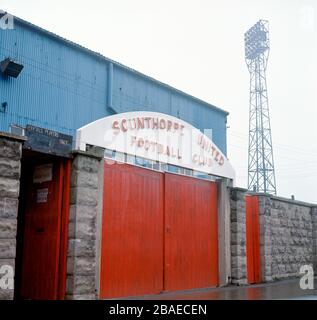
x,y
158,137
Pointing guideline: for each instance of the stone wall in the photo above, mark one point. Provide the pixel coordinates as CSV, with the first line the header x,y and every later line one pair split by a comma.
x,y
10,169
238,237
286,237
82,258
314,225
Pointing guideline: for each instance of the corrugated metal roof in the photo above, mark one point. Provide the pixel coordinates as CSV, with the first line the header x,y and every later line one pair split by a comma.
x,y
100,56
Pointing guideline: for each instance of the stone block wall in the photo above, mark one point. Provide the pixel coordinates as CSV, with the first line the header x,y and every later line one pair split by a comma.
x,y
82,257
314,225
288,237
238,237
10,169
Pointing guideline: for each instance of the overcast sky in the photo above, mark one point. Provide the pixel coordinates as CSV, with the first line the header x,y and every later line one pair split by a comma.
x,y
197,46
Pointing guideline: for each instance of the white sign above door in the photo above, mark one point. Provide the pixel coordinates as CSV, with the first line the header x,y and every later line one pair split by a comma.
x,y
158,137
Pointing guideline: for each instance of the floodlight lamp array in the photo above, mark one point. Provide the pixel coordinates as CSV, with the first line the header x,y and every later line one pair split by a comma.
x,y
256,41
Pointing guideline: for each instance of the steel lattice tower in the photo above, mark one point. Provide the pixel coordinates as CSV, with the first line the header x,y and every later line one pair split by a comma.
x,y
261,174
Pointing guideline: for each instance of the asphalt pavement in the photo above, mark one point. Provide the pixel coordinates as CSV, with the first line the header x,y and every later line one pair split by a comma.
x,y
280,290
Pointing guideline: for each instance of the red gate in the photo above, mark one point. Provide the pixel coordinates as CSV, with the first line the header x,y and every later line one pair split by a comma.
x,y
191,237
147,220
132,234
44,254
253,239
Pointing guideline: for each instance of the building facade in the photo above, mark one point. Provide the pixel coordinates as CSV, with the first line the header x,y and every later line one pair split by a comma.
x,y
52,194
111,187
64,86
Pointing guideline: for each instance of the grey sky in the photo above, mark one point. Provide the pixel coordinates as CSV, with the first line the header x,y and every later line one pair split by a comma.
x,y
197,46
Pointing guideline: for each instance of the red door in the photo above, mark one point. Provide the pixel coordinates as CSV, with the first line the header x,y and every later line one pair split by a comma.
x,y
191,237
45,231
253,239
132,234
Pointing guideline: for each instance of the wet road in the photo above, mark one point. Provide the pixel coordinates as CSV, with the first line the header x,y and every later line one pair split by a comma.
x,y
288,289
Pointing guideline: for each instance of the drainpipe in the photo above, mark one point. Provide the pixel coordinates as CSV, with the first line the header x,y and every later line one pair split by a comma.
x,y
110,88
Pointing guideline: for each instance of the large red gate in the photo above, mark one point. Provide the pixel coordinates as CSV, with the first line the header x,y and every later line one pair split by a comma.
x,y
132,234
159,232
191,238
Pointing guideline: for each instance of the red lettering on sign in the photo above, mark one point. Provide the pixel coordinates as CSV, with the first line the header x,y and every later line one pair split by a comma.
x,y
162,124
115,127
123,125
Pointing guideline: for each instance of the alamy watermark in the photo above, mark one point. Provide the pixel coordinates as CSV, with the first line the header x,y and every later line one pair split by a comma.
x,y
6,277
6,20
307,17
306,282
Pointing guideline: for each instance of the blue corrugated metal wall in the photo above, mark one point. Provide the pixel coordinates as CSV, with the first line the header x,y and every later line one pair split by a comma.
x,y
63,87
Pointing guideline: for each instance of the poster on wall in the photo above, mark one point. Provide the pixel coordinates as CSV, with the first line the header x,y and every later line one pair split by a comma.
x,y
43,173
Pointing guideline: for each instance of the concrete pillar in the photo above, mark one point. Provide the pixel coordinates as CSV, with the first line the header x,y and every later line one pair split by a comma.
x,y
224,255
83,248
10,170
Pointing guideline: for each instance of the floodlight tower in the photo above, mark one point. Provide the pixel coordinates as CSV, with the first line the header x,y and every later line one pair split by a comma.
x,y
261,174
